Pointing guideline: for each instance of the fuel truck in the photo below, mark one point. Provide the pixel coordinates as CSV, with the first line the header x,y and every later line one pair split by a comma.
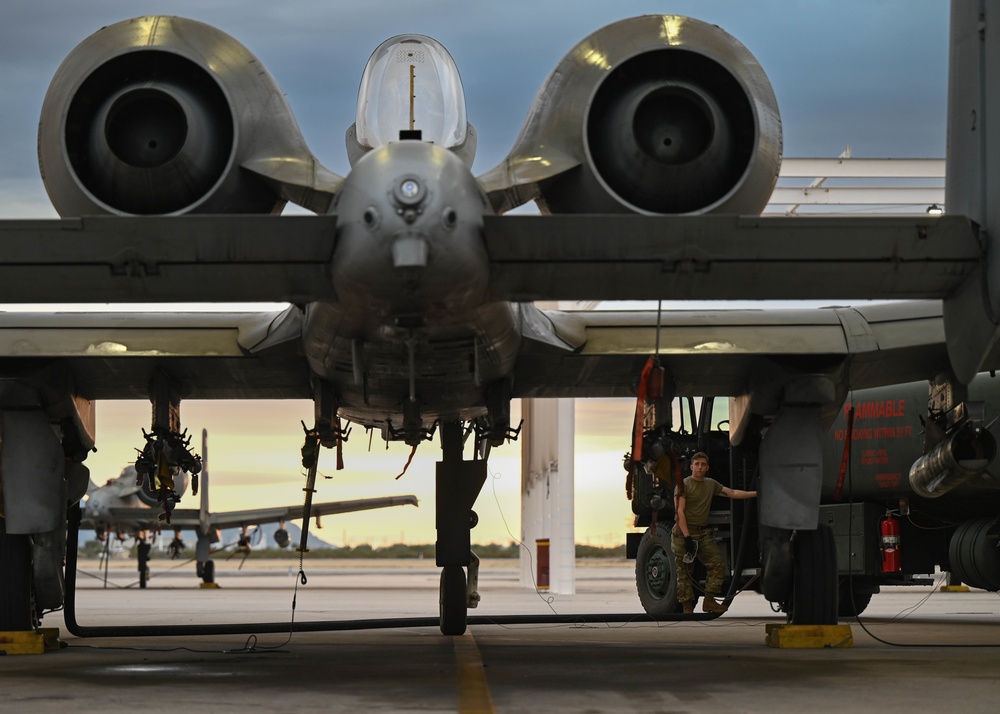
x,y
910,486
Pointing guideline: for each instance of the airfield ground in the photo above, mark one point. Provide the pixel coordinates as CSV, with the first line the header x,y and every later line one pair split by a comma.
x,y
916,648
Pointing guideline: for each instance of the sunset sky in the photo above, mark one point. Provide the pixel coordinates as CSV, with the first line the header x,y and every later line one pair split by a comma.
x,y
254,461
869,75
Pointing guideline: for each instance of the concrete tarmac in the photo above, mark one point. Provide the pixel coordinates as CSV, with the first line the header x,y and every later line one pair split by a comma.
x,y
914,648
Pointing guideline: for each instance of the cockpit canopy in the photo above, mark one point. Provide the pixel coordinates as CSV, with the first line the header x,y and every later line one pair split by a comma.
x,y
410,84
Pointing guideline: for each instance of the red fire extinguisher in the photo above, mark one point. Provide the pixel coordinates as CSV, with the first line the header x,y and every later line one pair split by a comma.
x,y
889,528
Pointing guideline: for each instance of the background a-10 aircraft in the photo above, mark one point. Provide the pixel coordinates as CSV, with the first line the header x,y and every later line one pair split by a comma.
x,y
650,148
128,506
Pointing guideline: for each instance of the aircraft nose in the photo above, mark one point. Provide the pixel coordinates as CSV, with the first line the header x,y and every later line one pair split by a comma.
x,y
410,231
91,510
409,193
409,249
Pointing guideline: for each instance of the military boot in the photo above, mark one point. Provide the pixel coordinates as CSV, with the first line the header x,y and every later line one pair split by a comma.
x,y
712,605
688,607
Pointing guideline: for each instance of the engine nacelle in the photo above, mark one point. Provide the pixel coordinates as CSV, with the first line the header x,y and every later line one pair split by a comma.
x,y
149,494
966,453
281,538
161,115
659,114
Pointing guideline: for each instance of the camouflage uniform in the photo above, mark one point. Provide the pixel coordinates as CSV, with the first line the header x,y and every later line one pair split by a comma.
x,y
698,501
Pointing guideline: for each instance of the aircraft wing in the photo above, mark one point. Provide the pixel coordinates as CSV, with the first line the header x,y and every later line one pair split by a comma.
x,y
217,355
188,518
725,257
119,259
721,352
564,354
125,518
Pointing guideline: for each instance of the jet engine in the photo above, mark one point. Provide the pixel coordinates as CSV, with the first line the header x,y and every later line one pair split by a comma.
x,y
149,494
659,114
967,452
163,115
281,537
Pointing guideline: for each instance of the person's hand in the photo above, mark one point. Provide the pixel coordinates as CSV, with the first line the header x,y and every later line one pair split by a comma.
x,y
690,549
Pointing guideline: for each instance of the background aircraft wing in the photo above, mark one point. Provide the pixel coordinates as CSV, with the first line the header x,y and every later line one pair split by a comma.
x,y
188,518
258,516
720,352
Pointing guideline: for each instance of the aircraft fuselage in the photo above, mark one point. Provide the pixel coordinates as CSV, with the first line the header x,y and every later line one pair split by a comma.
x,y
410,337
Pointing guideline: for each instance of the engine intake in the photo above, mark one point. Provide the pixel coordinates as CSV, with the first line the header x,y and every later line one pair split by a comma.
x,y
664,143
150,495
659,114
149,132
163,115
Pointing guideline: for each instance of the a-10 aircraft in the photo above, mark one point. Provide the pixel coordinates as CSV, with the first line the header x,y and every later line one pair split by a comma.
x,y
651,149
129,505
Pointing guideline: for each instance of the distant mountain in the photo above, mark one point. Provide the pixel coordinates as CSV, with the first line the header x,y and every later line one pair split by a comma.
x,y
265,538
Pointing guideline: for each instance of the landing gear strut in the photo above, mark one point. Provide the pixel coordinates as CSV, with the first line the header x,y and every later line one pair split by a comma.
x,y
797,552
458,485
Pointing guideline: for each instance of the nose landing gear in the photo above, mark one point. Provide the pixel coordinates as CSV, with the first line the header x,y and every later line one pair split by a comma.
x,y
458,485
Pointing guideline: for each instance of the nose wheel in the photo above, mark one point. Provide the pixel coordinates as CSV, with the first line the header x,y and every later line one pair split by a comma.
x,y
454,600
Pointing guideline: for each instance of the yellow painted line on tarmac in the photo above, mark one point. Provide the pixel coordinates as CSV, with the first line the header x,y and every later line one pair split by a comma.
x,y
473,691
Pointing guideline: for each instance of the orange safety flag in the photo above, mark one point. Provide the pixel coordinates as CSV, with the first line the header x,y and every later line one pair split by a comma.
x,y
640,403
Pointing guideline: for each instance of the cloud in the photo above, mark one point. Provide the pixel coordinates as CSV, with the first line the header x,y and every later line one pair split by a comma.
x,y
844,72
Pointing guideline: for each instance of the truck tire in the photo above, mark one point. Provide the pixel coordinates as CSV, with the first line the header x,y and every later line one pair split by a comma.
x,y
851,602
656,572
973,553
814,578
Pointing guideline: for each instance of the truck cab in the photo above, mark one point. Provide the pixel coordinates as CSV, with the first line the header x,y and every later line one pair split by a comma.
x,y
696,424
